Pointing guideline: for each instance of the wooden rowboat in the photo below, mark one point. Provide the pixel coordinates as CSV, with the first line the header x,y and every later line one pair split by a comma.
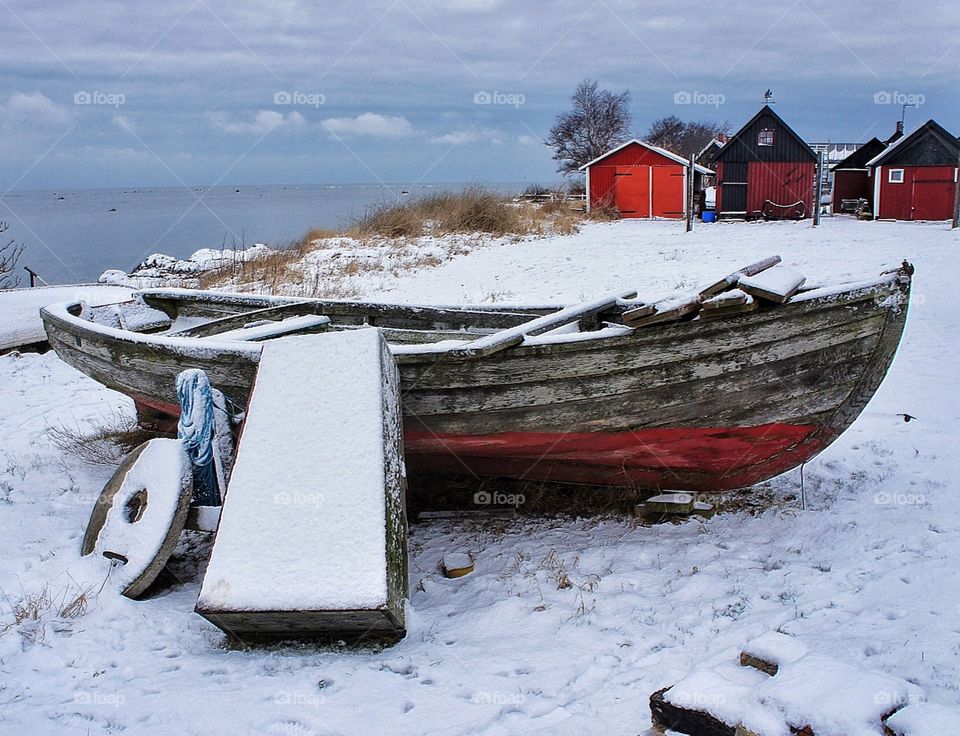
x,y
613,392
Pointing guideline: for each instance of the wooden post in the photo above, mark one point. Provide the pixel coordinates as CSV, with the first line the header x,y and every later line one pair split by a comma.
x,y
818,190
34,277
691,189
956,196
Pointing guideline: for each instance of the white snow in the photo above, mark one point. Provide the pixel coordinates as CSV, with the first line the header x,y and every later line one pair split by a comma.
x,y
777,280
832,697
20,322
869,573
304,520
925,719
776,648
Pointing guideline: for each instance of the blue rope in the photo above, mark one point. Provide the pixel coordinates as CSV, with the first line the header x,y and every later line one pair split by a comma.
x,y
196,429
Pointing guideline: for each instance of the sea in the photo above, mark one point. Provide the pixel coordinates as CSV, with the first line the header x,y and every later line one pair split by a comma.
x,y
72,236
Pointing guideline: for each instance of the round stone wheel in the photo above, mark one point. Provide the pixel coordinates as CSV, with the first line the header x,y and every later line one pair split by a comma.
x,y
140,514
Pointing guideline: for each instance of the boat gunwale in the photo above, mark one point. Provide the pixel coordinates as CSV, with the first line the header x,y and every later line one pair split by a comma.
x,y
59,313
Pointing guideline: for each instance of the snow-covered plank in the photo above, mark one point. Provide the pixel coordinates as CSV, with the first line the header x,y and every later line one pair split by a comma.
x,y
924,719
312,536
513,336
666,310
776,284
770,650
267,330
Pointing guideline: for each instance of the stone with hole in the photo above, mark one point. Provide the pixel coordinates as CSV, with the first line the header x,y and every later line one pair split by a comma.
x,y
140,514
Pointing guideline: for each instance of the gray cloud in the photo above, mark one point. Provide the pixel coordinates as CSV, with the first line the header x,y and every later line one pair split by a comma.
x,y
199,78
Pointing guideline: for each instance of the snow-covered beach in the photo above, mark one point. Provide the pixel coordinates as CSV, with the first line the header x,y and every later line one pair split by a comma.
x,y
866,573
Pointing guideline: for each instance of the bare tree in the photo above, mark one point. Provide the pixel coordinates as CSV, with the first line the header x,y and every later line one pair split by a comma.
x,y
684,139
9,255
599,121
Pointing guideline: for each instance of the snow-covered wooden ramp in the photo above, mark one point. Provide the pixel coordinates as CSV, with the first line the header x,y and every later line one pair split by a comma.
x,y
312,536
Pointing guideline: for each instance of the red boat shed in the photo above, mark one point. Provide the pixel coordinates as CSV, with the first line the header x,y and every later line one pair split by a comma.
x,y
765,169
639,180
851,177
916,177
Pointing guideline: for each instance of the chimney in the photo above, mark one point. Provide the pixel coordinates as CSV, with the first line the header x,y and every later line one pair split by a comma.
x,y
722,139
897,135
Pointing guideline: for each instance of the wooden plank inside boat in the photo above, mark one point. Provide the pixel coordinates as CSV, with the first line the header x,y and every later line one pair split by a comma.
x,y
320,462
776,285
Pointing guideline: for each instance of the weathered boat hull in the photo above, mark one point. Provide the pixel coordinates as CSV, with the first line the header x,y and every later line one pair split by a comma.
x,y
705,405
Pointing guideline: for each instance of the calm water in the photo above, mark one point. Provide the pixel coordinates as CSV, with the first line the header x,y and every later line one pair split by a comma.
x,y
73,236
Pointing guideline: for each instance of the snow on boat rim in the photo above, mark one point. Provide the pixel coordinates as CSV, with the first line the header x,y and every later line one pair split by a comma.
x,y
191,345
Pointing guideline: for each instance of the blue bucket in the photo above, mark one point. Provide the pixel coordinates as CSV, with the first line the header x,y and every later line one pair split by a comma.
x,y
709,216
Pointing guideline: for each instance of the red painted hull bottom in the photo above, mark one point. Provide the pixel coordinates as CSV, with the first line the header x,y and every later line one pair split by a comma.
x,y
702,459
697,458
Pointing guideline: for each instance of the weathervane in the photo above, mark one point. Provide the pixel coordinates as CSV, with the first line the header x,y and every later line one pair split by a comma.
x,y
768,98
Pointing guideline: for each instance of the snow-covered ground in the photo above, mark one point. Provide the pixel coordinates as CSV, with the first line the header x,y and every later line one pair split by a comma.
x,y
868,573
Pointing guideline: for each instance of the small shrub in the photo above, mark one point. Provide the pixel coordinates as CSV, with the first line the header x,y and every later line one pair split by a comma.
x,y
103,442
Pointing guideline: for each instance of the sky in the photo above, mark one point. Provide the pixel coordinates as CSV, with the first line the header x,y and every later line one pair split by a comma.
x,y
208,92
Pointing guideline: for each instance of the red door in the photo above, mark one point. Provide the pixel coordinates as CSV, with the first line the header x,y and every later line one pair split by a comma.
x,y
933,193
668,191
632,191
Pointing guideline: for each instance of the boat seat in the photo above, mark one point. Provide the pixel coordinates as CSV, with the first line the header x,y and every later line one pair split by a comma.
x,y
266,330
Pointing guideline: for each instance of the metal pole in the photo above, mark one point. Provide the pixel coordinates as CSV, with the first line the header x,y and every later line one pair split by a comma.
x,y
818,190
691,188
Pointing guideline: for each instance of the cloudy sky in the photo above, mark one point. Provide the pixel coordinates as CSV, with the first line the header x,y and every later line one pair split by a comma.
x,y
200,92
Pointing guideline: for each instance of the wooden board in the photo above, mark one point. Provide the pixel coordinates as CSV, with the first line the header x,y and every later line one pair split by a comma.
x,y
312,535
776,284
748,306
668,310
513,336
731,298
731,279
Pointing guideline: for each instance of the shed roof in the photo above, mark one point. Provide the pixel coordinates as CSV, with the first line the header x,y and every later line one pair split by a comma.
x,y
931,128
858,159
765,110
656,149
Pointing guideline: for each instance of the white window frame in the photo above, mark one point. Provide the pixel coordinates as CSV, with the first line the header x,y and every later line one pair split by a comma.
x,y
771,131
892,180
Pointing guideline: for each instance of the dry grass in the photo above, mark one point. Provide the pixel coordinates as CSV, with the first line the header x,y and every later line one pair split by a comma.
x,y
385,241
103,441
31,614
474,210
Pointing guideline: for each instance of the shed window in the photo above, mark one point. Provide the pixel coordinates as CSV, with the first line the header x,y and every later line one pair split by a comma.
x,y
896,176
765,137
